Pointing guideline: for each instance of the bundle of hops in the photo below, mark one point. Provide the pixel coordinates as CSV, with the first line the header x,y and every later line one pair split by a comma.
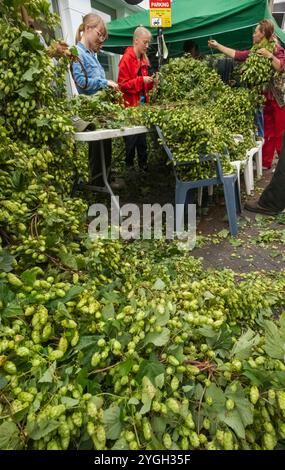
x,y
257,69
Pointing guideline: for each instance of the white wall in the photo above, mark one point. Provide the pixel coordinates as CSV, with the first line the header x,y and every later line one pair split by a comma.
x,y
71,12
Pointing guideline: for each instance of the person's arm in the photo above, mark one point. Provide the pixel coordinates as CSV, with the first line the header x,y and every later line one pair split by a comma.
x,y
213,44
277,61
93,84
126,81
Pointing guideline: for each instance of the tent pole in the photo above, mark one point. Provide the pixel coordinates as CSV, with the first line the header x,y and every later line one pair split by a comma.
x,y
159,47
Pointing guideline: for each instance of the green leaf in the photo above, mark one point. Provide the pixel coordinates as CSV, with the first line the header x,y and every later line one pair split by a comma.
x,y
49,375
69,260
9,436
242,404
258,376
148,393
29,276
12,310
159,285
208,295
108,311
158,339
3,381
223,233
36,430
198,392
82,377
124,367
69,402
133,401
31,41
121,444
70,295
112,420
243,347
25,91
159,380
6,261
29,74
216,394
150,368
233,420
158,424
274,340
73,50
6,295
207,331
42,122
163,319
86,342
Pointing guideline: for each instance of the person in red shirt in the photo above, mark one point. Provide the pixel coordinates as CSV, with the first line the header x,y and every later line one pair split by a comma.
x,y
274,115
135,83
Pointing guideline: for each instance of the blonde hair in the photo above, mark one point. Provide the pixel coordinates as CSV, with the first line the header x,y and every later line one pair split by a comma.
x,y
140,31
92,19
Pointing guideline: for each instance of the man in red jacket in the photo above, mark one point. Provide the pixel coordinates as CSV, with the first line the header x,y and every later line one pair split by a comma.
x,y
135,83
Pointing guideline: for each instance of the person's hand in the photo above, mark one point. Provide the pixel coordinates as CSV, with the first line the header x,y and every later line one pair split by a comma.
x,y
147,79
155,77
113,85
264,53
213,44
59,49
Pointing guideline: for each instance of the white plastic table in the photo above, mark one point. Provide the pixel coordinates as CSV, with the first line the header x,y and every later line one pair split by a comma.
x,y
101,135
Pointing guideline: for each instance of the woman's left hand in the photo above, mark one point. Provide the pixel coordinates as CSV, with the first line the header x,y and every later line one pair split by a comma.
x,y
264,53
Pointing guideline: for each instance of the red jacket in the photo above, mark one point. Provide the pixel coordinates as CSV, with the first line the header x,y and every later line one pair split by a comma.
x,y
130,79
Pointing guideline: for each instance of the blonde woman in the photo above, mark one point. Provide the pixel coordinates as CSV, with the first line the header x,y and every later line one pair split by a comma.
x,y
89,77
135,82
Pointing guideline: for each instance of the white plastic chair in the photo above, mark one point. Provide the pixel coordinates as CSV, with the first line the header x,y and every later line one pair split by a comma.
x,y
258,158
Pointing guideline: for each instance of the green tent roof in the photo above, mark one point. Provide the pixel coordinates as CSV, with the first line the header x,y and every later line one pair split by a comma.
x,y
230,22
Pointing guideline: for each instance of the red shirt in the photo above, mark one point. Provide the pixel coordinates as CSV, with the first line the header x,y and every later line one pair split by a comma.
x,y
130,79
278,52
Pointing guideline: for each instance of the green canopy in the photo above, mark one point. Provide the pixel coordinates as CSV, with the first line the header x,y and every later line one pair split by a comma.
x,y
231,22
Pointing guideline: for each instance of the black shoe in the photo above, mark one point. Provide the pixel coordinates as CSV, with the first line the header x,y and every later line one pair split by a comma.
x,y
254,206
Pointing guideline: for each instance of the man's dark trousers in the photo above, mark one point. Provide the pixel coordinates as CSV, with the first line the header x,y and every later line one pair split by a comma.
x,y
133,142
273,197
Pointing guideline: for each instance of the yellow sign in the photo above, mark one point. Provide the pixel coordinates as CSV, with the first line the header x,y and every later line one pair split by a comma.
x,y
160,17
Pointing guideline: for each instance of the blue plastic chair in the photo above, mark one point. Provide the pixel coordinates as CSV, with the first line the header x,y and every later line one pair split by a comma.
x,y
229,182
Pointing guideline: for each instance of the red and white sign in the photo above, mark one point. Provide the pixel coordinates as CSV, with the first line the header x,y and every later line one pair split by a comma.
x,y
154,4
160,13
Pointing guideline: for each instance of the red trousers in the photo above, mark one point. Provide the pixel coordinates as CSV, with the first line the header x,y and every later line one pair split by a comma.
x,y
274,127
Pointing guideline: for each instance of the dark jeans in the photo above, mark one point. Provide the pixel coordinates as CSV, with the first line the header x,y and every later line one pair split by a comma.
x,y
273,197
259,121
95,167
133,142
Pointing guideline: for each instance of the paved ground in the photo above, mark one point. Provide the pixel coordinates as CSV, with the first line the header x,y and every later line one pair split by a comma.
x,y
260,243
261,240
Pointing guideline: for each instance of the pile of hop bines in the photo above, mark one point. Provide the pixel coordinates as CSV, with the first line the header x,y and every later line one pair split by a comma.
x,y
106,345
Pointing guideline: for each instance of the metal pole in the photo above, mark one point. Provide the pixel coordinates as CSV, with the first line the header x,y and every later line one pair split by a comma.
x,y
159,47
